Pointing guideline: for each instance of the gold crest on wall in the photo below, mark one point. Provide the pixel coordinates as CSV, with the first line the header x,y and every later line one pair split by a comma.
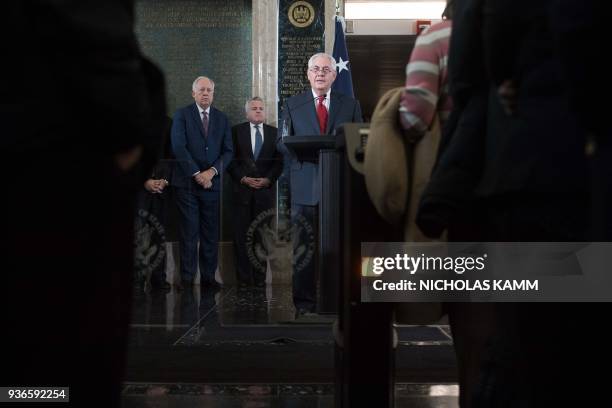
x,y
301,14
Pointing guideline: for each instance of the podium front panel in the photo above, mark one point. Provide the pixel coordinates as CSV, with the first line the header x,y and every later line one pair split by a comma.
x,y
329,227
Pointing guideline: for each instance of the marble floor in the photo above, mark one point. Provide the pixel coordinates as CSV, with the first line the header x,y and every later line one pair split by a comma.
x,y
274,395
244,348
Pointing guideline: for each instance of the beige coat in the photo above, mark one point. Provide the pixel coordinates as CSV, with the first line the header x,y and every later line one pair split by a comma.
x,y
387,173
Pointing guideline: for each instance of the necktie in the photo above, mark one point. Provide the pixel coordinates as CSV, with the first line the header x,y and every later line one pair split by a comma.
x,y
205,123
258,142
322,114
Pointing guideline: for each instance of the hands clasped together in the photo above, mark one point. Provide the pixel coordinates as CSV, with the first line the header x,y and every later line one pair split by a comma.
x,y
204,178
156,186
256,182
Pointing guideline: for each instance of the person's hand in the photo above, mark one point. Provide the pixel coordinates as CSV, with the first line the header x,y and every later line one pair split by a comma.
x,y
159,185
202,178
264,182
209,174
163,183
507,93
261,182
149,185
250,181
155,186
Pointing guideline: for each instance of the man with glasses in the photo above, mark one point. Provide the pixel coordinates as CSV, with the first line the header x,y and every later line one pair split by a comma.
x,y
317,111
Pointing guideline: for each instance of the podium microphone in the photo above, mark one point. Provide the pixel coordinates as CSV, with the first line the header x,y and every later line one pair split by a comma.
x,y
286,115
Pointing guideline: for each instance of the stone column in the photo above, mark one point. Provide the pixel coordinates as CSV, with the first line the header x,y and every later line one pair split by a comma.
x,y
330,25
265,55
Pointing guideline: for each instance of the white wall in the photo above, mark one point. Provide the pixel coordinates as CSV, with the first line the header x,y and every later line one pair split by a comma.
x,y
382,27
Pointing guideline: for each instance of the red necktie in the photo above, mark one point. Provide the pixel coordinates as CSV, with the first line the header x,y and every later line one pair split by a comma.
x,y
322,114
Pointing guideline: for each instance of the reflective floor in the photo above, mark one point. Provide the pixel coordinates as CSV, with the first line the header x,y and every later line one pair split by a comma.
x,y
244,348
275,395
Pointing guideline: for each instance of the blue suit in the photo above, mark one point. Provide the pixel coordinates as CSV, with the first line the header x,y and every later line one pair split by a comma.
x,y
300,118
300,115
199,207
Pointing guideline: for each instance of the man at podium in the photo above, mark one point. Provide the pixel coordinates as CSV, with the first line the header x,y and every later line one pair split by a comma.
x,y
317,111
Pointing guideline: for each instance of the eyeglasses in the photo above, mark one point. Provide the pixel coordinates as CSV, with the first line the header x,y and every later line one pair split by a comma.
x,y
317,70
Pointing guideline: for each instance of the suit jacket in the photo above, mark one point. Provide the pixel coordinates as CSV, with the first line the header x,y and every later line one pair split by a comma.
x,y
194,152
269,164
299,117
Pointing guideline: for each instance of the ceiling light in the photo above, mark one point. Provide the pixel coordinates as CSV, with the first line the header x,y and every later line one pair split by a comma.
x,y
394,10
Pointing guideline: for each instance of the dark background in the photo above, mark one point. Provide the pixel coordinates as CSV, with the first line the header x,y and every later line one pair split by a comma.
x,y
378,63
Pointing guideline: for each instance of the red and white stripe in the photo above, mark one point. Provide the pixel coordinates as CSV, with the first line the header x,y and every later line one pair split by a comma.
x,y
426,79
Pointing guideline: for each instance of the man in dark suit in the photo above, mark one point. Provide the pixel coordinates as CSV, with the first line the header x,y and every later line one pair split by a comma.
x,y
202,145
317,111
256,166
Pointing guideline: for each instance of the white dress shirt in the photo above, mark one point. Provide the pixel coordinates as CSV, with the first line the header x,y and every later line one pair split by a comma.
x,y
326,101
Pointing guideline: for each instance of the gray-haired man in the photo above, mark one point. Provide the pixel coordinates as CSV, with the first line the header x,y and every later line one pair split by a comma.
x,y
202,145
317,111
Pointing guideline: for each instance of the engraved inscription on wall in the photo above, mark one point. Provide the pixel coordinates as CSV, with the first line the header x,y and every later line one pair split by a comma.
x,y
301,27
297,51
192,38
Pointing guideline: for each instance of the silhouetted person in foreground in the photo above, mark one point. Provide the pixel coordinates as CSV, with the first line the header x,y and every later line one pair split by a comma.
x,y
518,154
81,114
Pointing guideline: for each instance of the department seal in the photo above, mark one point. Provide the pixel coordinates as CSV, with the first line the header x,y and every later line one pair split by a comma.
x,y
149,251
288,243
301,14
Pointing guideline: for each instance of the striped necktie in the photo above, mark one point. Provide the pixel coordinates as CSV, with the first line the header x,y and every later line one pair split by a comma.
x,y
205,123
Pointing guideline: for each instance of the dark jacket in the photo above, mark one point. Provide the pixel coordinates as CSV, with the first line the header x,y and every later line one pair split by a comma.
x,y
300,116
269,164
194,152
540,150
